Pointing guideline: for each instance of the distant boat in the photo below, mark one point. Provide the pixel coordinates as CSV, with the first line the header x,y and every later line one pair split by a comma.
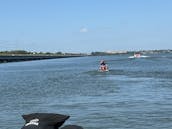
x,y
137,55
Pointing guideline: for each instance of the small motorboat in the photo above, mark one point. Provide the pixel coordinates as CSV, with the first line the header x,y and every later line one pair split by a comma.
x,y
137,55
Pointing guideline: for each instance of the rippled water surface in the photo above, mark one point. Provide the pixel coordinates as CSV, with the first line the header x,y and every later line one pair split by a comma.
x,y
134,94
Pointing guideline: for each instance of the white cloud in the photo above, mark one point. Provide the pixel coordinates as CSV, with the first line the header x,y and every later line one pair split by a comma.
x,y
83,30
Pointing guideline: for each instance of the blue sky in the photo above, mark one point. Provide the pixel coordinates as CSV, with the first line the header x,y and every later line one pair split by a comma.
x,y
85,25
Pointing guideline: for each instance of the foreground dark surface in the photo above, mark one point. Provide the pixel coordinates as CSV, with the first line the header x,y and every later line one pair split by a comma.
x,y
47,121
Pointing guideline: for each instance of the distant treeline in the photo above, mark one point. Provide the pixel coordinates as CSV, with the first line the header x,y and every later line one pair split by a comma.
x,y
131,52
105,53
15,52
100,53
23,52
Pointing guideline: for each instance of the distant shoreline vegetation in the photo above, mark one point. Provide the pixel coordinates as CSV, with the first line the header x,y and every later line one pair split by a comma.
x,y
97,53
22,55
130,52
25,53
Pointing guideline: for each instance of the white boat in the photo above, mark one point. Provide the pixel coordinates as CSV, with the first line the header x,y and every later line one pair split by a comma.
x,y
137,55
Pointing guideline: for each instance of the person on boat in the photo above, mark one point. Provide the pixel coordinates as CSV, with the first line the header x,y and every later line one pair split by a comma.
x,y
137,55
103,66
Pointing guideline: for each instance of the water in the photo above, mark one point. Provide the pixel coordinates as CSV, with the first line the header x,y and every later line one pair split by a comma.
x,y
134,94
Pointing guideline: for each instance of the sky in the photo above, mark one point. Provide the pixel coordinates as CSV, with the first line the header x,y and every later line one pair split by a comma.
x,y
85,25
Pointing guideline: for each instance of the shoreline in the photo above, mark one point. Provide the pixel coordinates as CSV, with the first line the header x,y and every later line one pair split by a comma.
x,y
20,58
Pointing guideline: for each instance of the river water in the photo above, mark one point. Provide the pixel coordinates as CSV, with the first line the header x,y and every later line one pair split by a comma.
x,y
134,94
